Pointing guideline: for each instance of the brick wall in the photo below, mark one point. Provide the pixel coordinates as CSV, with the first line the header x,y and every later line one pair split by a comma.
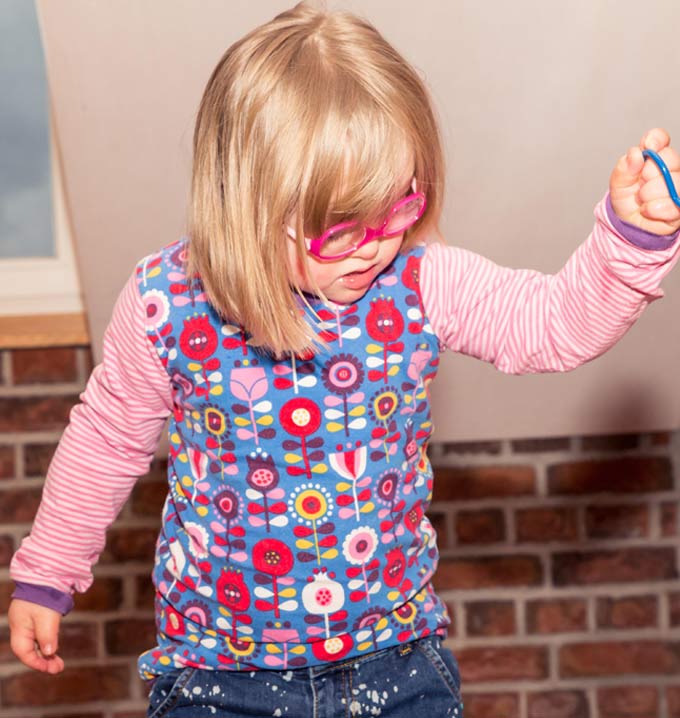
x,y
559,565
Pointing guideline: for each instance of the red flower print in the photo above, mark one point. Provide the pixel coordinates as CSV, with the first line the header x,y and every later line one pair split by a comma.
x,y
410,277
174,622
232,591
198,339
300,417
413,517
393,572
384,322
272,557
332,649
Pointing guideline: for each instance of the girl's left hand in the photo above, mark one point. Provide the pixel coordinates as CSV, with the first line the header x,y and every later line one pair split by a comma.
x,y
637,189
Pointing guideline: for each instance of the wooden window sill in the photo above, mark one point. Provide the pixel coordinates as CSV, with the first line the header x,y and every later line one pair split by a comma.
x,y
44,330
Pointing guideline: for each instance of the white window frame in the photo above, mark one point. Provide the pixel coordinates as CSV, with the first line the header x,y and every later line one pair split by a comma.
x,y
45,285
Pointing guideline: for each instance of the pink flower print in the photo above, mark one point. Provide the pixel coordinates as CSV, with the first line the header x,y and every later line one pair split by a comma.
x,y
414,390
248,383
358,549
350,465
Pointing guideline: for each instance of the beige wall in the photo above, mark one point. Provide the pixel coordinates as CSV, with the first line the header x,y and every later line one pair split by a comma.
x,y
538,98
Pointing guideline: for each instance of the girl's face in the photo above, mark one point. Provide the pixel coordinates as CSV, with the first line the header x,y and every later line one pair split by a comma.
x,y
346,280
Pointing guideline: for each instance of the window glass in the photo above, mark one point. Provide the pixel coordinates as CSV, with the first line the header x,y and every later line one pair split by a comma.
x,y
25,182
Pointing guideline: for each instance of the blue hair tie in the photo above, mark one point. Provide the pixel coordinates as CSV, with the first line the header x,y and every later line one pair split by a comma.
x,y
663,168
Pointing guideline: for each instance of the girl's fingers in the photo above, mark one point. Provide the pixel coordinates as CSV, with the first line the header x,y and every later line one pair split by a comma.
x,y
655,139
661,210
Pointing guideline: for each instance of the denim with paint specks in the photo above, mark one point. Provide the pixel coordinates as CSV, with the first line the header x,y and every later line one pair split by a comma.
x,y
417,678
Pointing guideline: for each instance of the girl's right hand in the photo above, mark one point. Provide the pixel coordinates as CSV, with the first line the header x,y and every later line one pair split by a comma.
x,y
31,624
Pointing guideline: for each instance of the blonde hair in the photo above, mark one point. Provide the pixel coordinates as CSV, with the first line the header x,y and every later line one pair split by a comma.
x,y
310,115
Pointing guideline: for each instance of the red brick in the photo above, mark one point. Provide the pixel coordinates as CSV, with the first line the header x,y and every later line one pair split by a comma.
x,y
438,519
490,618
481,482
623,566
105,594
472,447
628,612
613,442
35,413
7,465
44,366
148,497
491,705
145,593
674,606
628,702
556,615
673,701
669,519
501,663
484,526
451,609
130,544
6,550
619,658
19,505
76,640
558,704
129,637
6,590
37,458
74,685
515,570
547,524
629,475
534,446
624,521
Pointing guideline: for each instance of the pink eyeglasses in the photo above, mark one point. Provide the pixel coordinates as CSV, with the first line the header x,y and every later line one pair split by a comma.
x,y
343,239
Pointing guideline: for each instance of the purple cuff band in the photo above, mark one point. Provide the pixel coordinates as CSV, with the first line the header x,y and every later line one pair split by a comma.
x,y
639,237
44,596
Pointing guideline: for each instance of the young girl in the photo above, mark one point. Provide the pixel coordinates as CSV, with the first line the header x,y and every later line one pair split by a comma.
x,y
291,341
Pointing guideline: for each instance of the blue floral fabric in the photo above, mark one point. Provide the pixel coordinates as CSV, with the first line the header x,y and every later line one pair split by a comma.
x,y
294,531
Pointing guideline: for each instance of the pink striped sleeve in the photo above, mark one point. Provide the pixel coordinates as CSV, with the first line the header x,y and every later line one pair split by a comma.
x,y
523,321
109,442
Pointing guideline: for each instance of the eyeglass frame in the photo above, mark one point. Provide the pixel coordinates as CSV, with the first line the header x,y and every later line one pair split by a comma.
x,y
370,233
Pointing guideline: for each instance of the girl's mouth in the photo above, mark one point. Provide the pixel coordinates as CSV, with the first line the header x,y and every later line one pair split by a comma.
x,y
359,279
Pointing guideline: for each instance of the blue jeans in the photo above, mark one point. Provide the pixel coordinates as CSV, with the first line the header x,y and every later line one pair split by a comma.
x,y
418,678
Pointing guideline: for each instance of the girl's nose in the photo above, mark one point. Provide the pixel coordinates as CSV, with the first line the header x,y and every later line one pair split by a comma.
x,y
368,250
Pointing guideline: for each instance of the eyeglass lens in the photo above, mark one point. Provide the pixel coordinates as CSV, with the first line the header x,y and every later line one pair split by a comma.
x,y
343,240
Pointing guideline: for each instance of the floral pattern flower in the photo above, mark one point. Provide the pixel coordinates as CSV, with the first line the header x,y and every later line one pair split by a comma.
x,y
342,374
272,557
395,568
300,417
360,545
198,339
323,594
232,591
